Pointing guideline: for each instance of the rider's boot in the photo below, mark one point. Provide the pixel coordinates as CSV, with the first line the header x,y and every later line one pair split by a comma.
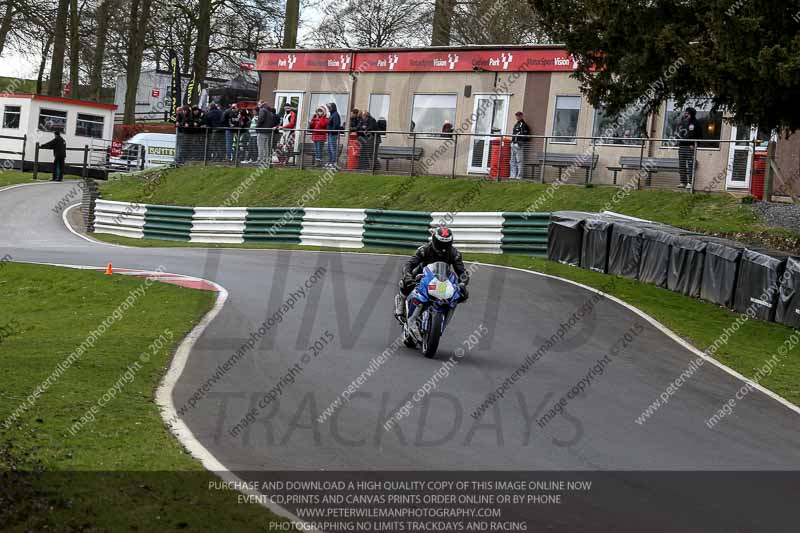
x,y
400,307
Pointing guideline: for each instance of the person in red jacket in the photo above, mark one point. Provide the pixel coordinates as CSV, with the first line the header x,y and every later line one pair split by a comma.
x,y
319,132
288,124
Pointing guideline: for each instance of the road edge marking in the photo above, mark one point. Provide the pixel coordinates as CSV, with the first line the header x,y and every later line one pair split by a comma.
x,y
169,415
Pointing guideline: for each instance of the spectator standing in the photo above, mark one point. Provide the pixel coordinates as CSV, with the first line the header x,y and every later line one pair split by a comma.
x,y
370,139
520,137
264,120
355,119
688,133
229,119
252,138
213,123
182,120
334,126
240,135
288,124
59,147
319,128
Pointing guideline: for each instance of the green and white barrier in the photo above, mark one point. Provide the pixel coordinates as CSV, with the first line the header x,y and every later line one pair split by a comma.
x,y
480,232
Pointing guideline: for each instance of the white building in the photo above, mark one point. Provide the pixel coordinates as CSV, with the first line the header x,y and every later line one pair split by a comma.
x,y
28,119
152,94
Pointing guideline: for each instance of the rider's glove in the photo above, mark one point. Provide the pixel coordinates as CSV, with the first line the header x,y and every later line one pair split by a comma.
x,y
464,292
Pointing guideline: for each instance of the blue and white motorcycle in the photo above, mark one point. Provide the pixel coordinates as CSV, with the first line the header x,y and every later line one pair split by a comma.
x,y
430,307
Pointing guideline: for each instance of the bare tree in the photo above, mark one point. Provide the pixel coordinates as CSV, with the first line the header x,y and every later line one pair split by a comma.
x,y
96,76
139,21
59,49
9,9
74,49
373,23
442,21
495,22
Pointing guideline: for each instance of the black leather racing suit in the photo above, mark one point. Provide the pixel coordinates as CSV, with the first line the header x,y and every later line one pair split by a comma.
x,y
425,255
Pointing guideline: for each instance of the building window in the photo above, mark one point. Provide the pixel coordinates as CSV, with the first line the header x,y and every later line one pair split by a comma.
x,y
709,123
616,129
379,106
565,121
89,126
11,116
50,120
318,99
431,111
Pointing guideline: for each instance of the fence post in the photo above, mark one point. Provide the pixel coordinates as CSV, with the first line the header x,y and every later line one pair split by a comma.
x,y
544,161
85,160
302,148
36,161
413,151
769,178
237,139
269,148
205,149
455,152
372,160
753,163
694,167
22,159
590,174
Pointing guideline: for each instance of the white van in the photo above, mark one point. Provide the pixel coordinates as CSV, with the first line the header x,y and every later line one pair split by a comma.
x,y
143,150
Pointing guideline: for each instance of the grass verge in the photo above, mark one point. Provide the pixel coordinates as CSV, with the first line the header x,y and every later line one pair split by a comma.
x,y
697,321
13,177
214,186
124,470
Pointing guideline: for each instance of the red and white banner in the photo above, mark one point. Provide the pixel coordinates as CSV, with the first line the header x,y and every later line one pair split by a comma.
x,y
531,60
305,61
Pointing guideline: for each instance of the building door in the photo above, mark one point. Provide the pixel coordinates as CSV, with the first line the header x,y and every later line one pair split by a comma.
x,y
492,113
740,157
293,98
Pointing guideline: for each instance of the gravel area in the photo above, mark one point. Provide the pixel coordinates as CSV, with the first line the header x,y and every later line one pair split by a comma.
x,y
779,215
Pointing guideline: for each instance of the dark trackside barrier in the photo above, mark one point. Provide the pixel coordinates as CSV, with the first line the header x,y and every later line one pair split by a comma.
x,y
788,311
625,250
565,236
654,264
720,271
758,285
596,241
686,260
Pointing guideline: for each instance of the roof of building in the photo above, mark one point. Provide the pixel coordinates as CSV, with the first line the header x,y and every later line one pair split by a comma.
x,y
59,100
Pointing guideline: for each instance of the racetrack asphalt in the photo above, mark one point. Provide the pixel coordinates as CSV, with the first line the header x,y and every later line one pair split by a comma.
x,y
352,302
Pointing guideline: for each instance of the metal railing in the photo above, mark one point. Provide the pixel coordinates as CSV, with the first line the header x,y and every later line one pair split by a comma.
x,y
8,141
651,162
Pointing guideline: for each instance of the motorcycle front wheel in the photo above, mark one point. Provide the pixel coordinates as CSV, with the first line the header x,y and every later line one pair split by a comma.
x,y
430,338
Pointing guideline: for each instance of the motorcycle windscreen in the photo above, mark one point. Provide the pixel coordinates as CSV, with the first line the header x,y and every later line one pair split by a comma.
x,y
788,311
440,270
686,265
720,271
757,287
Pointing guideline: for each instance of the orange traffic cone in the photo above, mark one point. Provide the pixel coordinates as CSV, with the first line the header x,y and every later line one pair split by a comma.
x,y
109,270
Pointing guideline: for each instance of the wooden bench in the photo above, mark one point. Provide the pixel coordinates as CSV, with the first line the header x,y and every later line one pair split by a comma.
x,y
650,165
562,161
389,153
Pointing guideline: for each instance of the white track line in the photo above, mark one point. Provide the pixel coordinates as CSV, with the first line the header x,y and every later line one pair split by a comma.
x,y
186,437
165,389
655,323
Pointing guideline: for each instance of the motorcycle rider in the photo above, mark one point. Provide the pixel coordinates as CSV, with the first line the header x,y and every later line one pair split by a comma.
x,y
440,248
